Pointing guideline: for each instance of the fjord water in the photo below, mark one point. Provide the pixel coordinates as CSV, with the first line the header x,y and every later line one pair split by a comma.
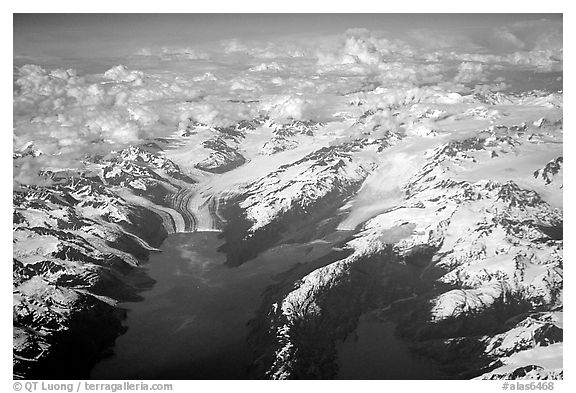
x,y
373,351
192,323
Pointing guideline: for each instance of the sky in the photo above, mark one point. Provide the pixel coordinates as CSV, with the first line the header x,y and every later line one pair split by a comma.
x,y
89,84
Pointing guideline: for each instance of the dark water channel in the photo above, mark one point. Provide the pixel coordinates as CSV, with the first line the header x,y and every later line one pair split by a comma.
x,y
192,324
373,351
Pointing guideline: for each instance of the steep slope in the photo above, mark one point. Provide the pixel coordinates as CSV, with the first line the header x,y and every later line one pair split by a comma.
x,y
292,198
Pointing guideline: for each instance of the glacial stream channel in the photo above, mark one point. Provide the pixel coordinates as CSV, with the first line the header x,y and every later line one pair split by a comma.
x,y
192,324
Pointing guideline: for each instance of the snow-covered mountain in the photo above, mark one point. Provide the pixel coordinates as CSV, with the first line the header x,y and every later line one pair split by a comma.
x,y
78,246
452,205
474,251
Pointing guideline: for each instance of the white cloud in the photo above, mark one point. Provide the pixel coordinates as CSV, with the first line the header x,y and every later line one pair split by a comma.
x,y
545,60
121,73
284,107
207,76
68,118
469,72
244,84
360,46
273,66
234,45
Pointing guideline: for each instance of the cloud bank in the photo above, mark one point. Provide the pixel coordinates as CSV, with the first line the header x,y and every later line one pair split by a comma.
x,y
68,118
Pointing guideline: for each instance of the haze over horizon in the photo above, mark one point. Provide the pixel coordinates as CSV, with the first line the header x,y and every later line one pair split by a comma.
x,y
47,38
